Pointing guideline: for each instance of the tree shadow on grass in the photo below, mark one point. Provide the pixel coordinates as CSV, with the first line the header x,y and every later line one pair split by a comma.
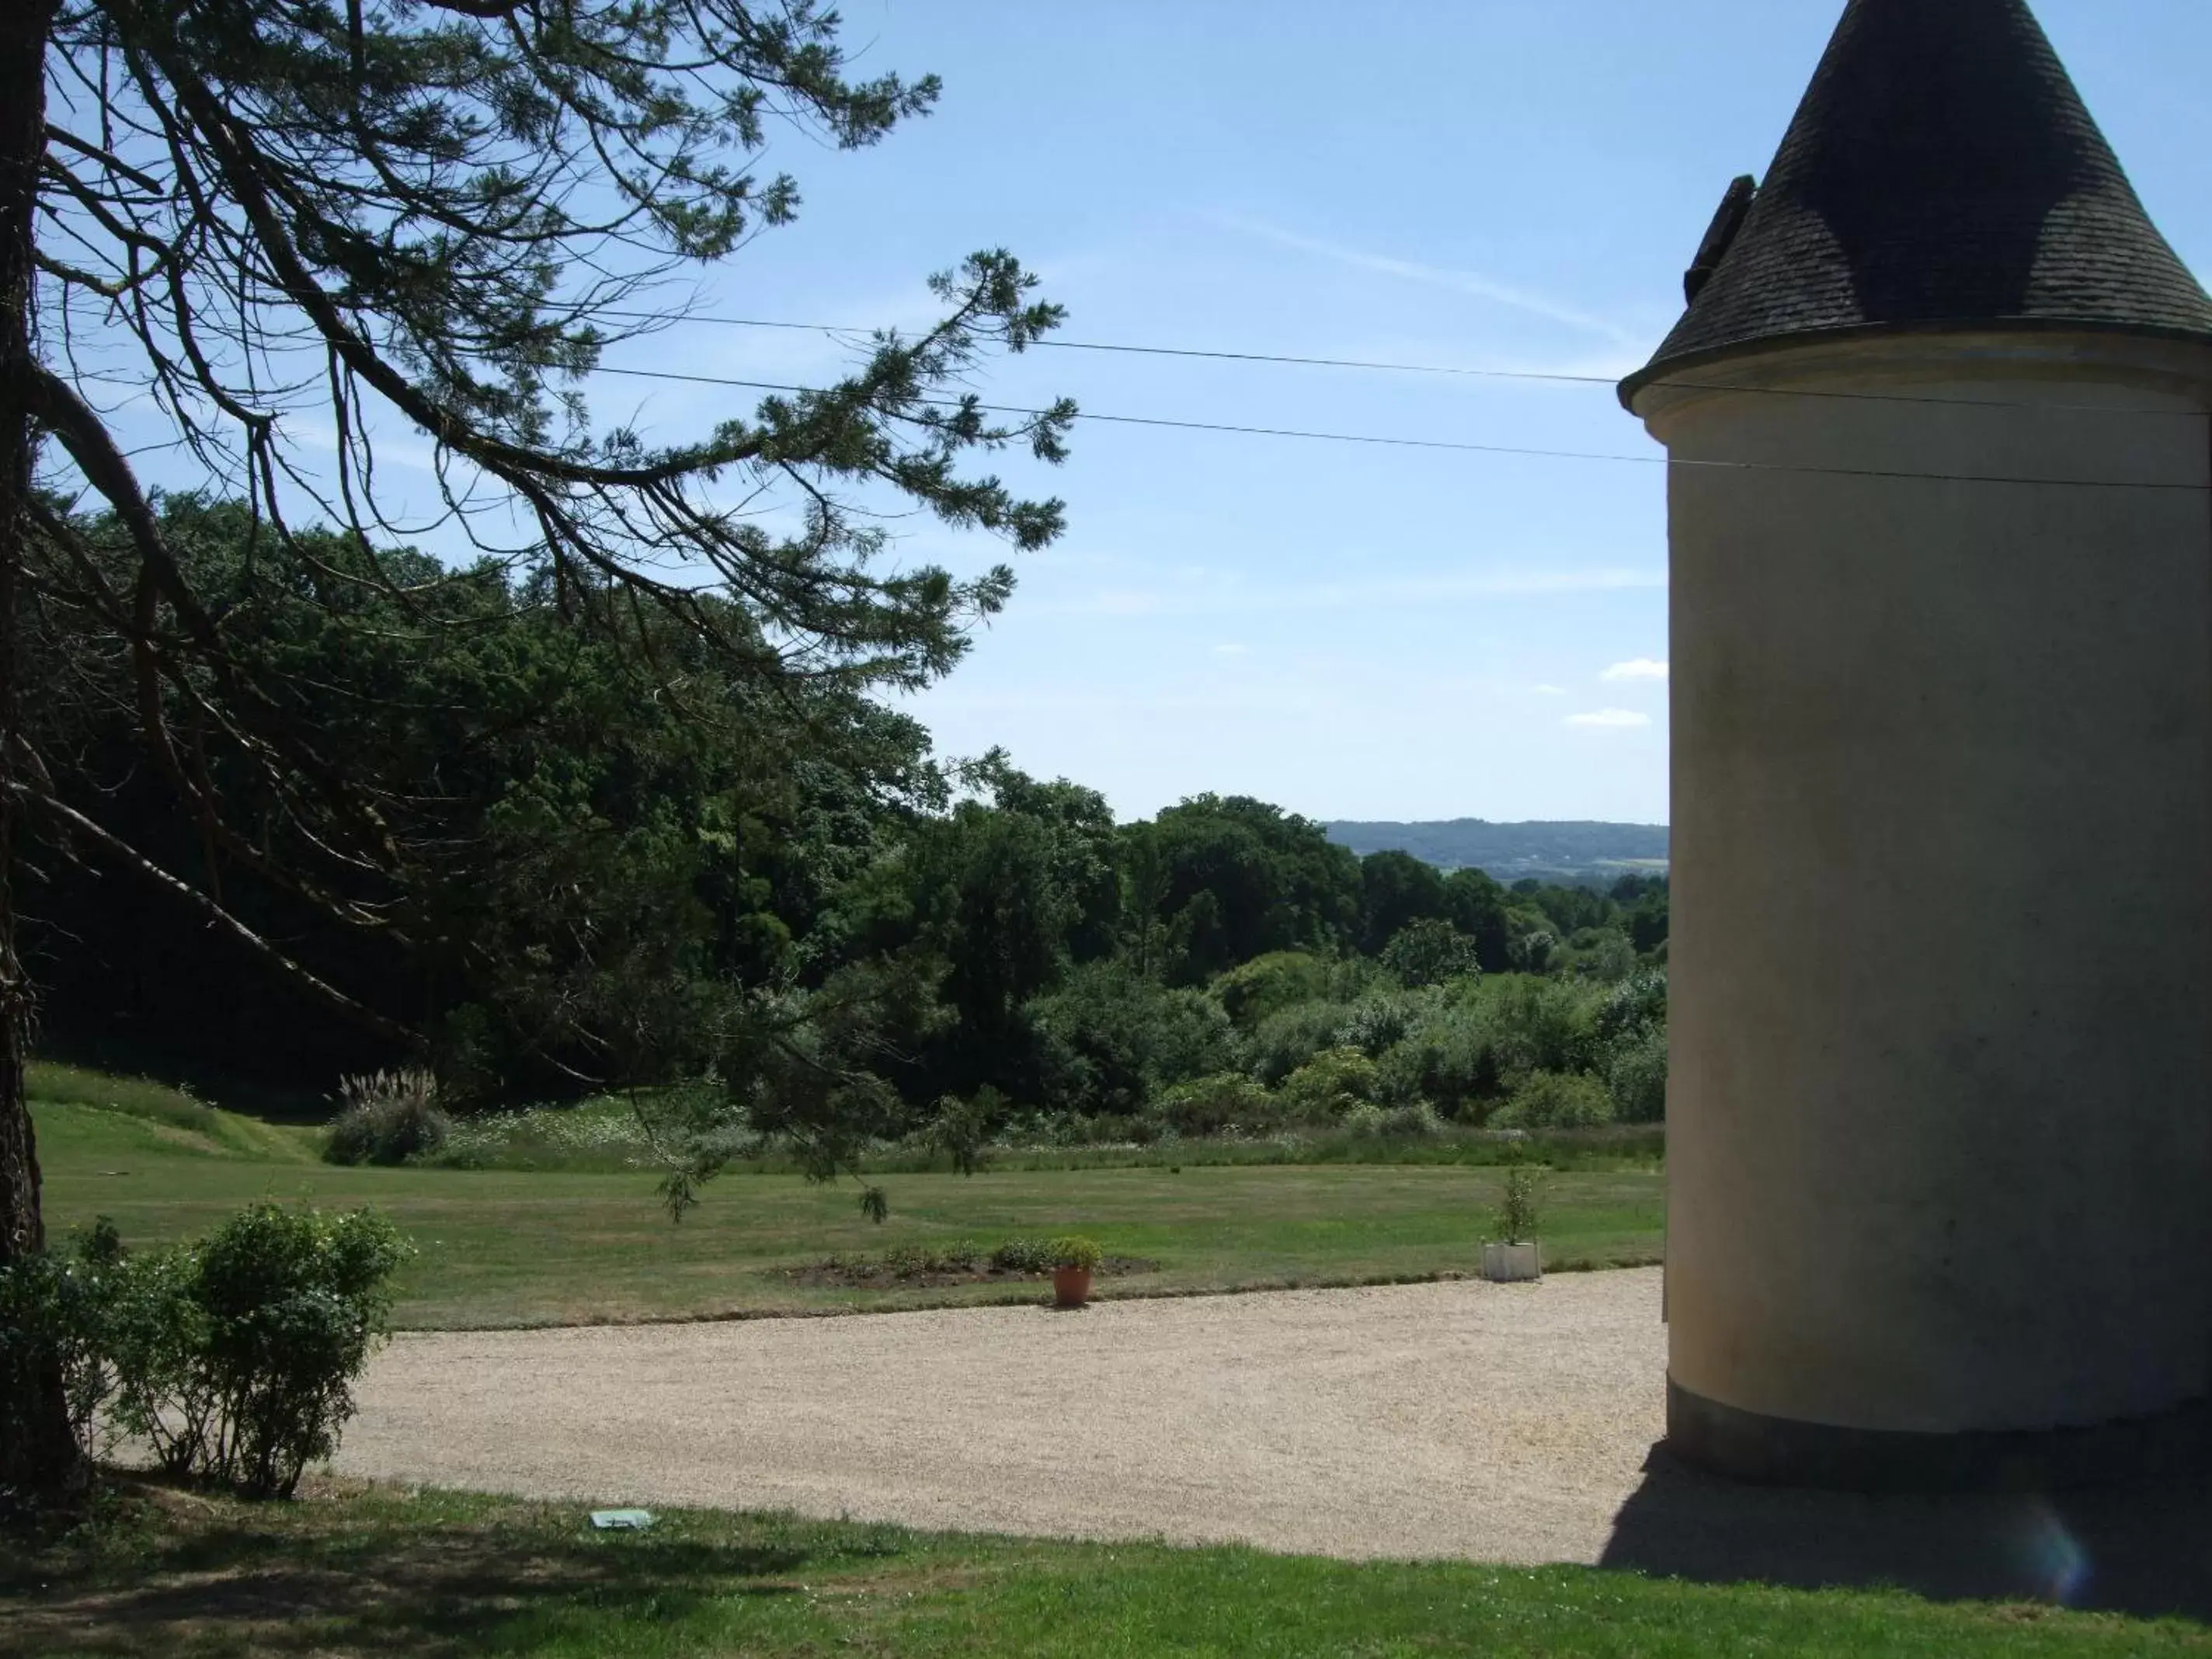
x,y
2142,1549
437,1590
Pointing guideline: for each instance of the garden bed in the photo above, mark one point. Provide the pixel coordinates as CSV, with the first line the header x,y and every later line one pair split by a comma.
x,y
936,1266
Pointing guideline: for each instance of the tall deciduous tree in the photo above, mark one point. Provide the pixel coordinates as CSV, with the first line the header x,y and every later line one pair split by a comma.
x,y
290,227
1228,878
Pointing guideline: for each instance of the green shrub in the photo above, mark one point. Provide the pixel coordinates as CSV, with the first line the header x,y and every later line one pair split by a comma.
x,y
1450,1060
157,1333
1330,1085
1109,1039
1076,1251
1556,1100
1024,1255
1269,984
231,1359
919,1261
1603,954
1636,1004
1287,1040
386,1117
1539,1025
1430,951
236,1357
1378,1023
1369,1121
54,1318
1637,1077
1417,1122
1532,939
1221,1104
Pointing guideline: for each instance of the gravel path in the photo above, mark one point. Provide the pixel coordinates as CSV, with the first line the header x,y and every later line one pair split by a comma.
x,y
1493,1422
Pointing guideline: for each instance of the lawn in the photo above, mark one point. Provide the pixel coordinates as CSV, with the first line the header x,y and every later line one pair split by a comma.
x,y
356,1570
507,1248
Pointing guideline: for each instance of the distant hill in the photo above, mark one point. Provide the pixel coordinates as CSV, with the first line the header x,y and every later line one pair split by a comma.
x,y
1551,852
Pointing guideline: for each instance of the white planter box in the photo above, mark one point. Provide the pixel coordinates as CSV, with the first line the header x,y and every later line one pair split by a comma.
x,y
1512,1264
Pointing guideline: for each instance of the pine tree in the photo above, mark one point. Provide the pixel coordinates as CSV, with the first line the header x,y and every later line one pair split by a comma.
x,y
276,218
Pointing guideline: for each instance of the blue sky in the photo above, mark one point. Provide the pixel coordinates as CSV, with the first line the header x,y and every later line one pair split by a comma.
x,y
1352,632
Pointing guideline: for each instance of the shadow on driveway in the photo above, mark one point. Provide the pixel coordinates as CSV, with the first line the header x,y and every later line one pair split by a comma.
x,y
2144,1550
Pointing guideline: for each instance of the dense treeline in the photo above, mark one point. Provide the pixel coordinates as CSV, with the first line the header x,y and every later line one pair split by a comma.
x,y
621,865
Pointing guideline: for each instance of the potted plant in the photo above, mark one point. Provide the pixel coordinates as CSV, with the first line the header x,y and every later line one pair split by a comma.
x,y
1515,1257
1073,1260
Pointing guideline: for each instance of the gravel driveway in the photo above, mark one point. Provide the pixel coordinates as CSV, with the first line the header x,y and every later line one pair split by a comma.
x,y
1502,1422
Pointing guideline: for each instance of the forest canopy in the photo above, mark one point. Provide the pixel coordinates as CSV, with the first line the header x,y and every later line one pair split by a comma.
x,y
614,885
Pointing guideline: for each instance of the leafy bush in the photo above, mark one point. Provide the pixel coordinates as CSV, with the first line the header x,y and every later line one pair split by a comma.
x,y
1430,951
1109,1039
1287,1040
1024,1255
386,1117
1370,1121
1220,1104
1539,1025
1330,1085
1556,1100
1532,939
231,1359
1603,954
1268,984
236,1357
918,1260
1075,1251
1637,1078
53,1318
1636,1004
1449,1062
1378,1023
157,1336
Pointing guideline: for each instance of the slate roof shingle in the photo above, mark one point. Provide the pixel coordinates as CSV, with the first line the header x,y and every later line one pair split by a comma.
x,y
1943,170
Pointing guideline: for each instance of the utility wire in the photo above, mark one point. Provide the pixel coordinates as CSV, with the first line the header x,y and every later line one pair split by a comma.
x,y
1374,440
1532,376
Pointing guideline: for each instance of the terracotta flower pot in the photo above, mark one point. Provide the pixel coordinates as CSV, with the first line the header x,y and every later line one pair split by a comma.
x,y
1071,1286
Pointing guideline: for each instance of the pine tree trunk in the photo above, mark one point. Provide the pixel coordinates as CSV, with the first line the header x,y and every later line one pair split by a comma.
x,y
39,1455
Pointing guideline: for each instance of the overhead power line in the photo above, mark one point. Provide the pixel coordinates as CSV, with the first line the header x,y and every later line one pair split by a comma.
x,y
1379,366
1378,440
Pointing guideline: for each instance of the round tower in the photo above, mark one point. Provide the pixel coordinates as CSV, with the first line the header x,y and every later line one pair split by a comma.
x,y
1940,1108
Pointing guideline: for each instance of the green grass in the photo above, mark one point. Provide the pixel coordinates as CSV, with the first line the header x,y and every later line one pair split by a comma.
x,y
353,1569
506,1247
190,1122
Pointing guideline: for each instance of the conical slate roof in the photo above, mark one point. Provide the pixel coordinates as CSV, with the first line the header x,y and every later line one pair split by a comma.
x,y
1942,171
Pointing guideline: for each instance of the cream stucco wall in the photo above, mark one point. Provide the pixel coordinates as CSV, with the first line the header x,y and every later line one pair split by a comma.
x,y
1940,1112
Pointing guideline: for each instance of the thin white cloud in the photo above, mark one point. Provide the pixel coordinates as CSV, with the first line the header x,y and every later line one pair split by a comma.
x,y
1551,690
1610,719
1639,668
1262,700
1458,282
1230,650
1235,598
